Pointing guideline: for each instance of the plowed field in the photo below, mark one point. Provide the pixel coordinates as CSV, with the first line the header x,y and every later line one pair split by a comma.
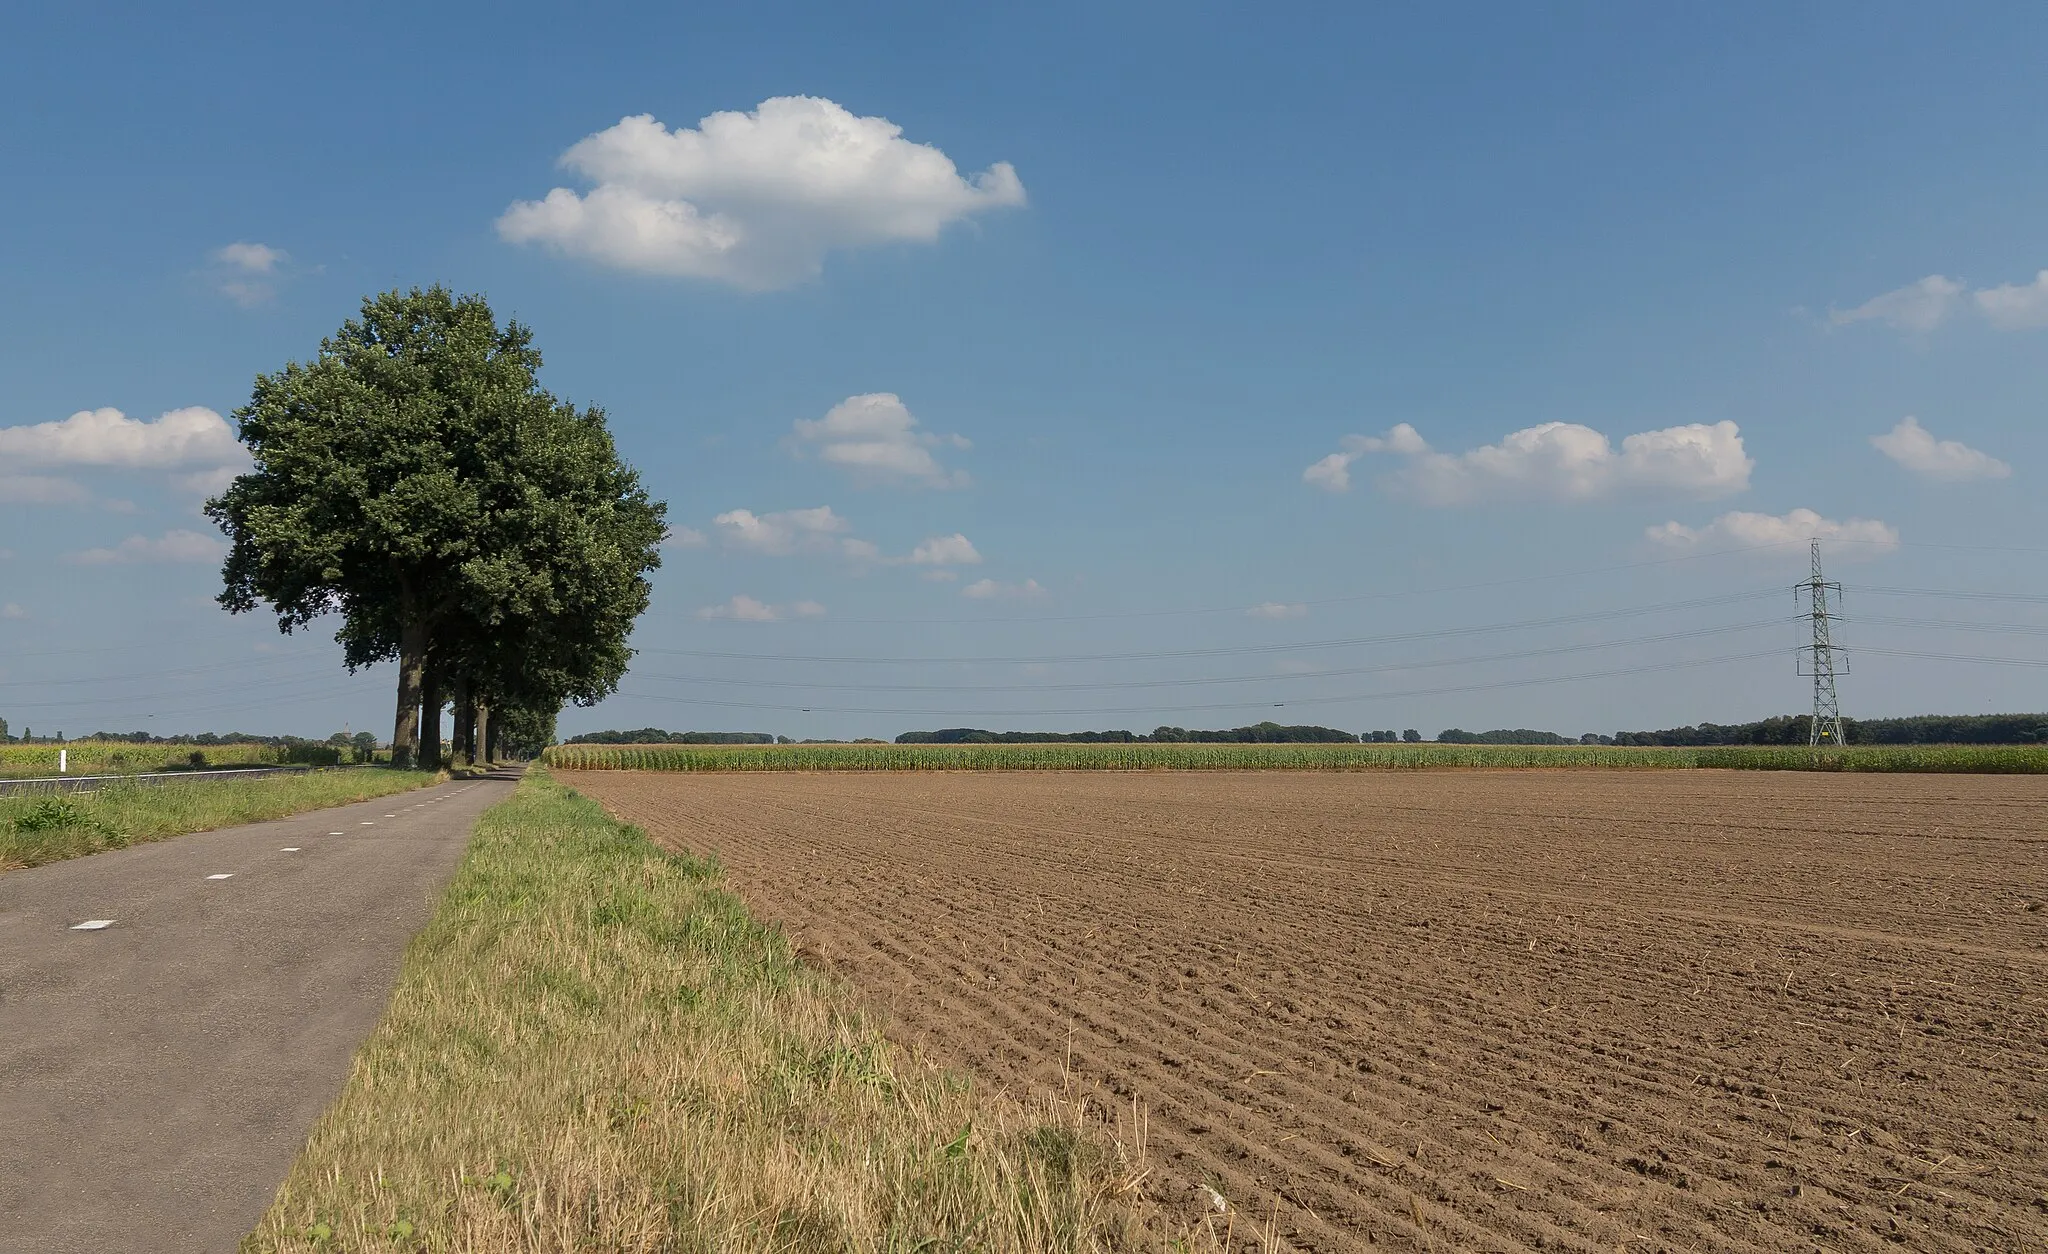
x,y
1462,1010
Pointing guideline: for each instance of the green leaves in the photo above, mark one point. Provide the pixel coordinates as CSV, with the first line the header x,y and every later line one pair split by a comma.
x,y
415,478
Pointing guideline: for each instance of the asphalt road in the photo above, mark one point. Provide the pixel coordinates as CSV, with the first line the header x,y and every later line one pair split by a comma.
x,y
158,1075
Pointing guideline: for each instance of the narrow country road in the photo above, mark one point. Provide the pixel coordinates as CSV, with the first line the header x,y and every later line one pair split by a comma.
x,y
159,1074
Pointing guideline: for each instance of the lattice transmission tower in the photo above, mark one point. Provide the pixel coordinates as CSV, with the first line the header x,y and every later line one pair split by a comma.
x,y
1819,658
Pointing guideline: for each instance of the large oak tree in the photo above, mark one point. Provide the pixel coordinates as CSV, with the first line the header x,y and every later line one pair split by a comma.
x,y
415,478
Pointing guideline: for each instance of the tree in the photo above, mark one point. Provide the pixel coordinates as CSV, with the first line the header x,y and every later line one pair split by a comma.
x,y
1411,736
411,478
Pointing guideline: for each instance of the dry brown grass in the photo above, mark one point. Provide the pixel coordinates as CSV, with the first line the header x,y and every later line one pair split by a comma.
x,y
593,1047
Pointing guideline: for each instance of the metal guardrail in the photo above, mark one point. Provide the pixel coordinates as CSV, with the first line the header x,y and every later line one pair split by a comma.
x,y
89,783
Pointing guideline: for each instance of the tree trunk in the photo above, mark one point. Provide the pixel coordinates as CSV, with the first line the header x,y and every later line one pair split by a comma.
x,y
463,750
430,720
412,666
486,732
491,743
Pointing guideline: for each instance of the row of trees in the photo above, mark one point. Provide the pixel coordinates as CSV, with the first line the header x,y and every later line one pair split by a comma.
x,y
656,736
416,479
1257,733
1919,729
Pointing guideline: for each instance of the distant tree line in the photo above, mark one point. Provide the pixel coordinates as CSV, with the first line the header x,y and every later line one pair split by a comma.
x,y
656,736
1504,736
1919,729
1257,733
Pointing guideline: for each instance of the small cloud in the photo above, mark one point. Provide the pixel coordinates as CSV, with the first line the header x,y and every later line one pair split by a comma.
x,y
746,609
1278,609
785,532
1919,306
1333,473
2015,307
172,546
11,610
953,550
1867,536
990,590
686,538
875,437
194,436
1950,461
248,273
1563,461
250,258
756,200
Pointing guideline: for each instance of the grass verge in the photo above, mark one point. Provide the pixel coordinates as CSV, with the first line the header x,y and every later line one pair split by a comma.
x,y
1966,759
36,828
593,1047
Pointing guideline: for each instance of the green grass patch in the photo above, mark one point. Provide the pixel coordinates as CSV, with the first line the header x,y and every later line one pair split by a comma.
x,y
1979,759
594,1047
36,828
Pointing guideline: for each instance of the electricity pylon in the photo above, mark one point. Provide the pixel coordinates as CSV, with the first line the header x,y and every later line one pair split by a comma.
x,y
1818,659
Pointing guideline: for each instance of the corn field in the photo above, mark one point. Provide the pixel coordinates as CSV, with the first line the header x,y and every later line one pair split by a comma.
x,y
112,757
1965,759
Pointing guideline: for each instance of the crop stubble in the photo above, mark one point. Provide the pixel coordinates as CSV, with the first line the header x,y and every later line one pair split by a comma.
x,y
1472,1010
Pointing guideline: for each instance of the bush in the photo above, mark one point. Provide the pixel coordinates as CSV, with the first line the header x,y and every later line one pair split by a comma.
x,y
51,814
308,754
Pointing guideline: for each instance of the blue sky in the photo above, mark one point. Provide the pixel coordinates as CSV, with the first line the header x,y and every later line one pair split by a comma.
x,y
1206,332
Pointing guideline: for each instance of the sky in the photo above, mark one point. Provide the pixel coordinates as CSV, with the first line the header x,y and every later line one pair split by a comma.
x,y
1078,365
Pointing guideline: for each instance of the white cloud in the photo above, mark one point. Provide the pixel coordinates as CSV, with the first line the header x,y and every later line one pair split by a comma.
x,y
1929,302
953,550
1278,609
247,272
876,438
989,590
1951,461
41,490
1865,536
755,199
254,258
1919,306
2015,306
685,538
172,546
788,532
11,610
746,609
1333,473
106,437
1552,461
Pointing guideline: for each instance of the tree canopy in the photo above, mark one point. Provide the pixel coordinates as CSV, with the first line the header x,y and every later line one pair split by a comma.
x,y
415,478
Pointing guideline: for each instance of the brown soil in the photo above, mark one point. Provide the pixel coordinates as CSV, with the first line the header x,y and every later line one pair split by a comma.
x,y
1680,1010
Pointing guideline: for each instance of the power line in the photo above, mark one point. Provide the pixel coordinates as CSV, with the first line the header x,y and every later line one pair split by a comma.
x,y
1268,677
1237,650
1100,712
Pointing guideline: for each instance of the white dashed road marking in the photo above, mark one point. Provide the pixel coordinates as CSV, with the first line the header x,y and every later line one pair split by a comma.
x,y
224,875
289,849
334,833
92,925
369,823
